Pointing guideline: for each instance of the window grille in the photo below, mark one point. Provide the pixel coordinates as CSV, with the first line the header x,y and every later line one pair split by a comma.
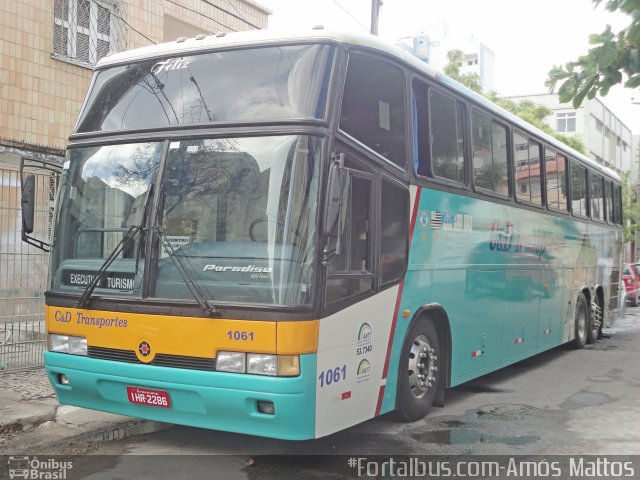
x,y
87,30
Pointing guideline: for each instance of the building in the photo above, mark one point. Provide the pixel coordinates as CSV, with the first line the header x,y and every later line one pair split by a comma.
x,y
434,43
47,53
607,139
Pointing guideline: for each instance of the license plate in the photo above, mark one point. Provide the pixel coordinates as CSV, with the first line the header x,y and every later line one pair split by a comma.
x,y
145,396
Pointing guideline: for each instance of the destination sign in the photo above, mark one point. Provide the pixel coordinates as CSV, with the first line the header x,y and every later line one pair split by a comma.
x,y
112,280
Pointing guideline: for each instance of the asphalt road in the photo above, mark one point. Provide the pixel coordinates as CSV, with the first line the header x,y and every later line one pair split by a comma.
x,y
564,401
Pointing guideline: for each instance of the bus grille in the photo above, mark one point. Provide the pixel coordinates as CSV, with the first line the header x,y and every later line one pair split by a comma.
x,y
161,359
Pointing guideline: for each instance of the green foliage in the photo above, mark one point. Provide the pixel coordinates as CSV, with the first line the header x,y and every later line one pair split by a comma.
x,y
452,69
614,57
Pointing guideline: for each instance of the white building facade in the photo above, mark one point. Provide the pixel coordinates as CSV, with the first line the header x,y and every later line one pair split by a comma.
x,y
607,139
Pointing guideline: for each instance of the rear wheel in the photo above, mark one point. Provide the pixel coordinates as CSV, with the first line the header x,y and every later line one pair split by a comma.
x,y
419,371
595,323
581,322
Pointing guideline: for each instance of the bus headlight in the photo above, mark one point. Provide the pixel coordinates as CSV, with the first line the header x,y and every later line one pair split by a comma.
x,y
231,362
67,344
258,364
262,364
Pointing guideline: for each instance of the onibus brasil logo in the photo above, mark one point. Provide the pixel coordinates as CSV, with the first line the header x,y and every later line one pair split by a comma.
x,y
37,469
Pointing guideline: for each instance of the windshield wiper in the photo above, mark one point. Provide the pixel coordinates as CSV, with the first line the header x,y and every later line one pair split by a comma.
x,y
195,290
119,248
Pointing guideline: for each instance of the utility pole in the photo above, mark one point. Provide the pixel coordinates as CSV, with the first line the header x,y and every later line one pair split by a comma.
x,y
375,13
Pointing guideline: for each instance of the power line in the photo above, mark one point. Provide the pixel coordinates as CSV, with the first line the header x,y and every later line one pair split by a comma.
x,y
203,15
234,7
129,25
232,14
349,13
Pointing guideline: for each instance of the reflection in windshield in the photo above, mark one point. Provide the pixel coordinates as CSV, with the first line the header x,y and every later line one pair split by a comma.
x,y
255,84
241,215
104,193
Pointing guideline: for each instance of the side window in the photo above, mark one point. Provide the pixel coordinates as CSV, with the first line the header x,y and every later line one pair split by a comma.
x,y
489,141
527,171
447,136
578,189
350,272
373,106
596,196
608,196
555,167
394,228
617,204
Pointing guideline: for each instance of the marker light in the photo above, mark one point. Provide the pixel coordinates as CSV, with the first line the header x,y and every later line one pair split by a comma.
x,y
67,344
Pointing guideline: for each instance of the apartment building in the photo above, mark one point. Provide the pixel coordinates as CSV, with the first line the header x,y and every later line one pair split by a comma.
x,y
47,53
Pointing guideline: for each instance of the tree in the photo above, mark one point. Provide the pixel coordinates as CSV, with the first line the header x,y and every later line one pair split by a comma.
x,y
613,58
452,69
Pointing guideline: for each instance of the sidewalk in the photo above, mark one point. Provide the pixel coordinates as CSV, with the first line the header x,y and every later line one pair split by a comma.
x,y
31,419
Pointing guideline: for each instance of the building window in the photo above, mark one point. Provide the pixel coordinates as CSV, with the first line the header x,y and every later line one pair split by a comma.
x,y
599,125
85,30
566,122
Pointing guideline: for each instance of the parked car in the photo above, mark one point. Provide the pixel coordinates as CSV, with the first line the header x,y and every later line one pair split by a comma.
x,y
631,279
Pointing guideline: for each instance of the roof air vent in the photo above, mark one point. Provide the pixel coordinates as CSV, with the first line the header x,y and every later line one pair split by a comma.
x,y
221,34
202,36
180,39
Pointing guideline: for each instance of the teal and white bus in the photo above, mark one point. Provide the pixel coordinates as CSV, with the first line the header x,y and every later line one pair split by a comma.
x,y
287,235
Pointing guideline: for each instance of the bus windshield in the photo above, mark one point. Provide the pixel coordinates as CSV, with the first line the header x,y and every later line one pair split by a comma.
x,y
256,84
239,213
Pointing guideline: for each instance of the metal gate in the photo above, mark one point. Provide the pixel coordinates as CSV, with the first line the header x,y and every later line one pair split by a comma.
x,y
23,272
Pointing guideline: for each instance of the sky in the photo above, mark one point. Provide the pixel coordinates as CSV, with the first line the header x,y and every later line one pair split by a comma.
x,y
527,37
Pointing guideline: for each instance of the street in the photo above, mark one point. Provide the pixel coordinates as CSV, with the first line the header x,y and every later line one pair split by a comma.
x,y
563,401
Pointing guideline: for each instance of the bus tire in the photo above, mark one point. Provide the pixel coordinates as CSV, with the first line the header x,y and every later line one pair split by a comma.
x,y
595,321
581,322
419,372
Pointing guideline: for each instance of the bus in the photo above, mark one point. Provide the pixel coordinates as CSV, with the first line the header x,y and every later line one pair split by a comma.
x,y
285,235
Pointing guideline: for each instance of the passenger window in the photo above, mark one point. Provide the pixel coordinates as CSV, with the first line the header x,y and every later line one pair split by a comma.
x,y
617,204
489,154
350,273
394,228
527,160
578,189
597,200
373,106
608,201
555,168
447,137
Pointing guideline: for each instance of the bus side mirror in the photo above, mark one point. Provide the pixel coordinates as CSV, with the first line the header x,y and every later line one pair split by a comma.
x,y
337,191
28,202
336,205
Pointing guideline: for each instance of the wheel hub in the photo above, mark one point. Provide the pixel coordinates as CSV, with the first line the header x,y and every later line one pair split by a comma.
x,y
422,369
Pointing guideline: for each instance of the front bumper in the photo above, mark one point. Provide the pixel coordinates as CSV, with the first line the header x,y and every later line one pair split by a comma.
x,y
215,400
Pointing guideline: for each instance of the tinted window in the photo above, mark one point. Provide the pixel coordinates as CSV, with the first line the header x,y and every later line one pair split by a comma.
x,y
555,169
617,204
239,85
608,195
447,148
489,154
597,196
373,106
527,161
394,225
578,189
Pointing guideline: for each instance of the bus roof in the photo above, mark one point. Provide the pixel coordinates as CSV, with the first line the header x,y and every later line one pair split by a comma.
x,y
212,42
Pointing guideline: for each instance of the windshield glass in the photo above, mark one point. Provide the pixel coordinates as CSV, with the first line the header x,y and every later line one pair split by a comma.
x,y
241,215
104,191
238,213
257,84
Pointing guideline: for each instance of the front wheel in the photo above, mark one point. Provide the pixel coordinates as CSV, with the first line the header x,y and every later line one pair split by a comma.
x,y
581,322
419,371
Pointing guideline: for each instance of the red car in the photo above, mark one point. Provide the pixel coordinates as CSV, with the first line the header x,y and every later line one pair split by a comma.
x,y
631,279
